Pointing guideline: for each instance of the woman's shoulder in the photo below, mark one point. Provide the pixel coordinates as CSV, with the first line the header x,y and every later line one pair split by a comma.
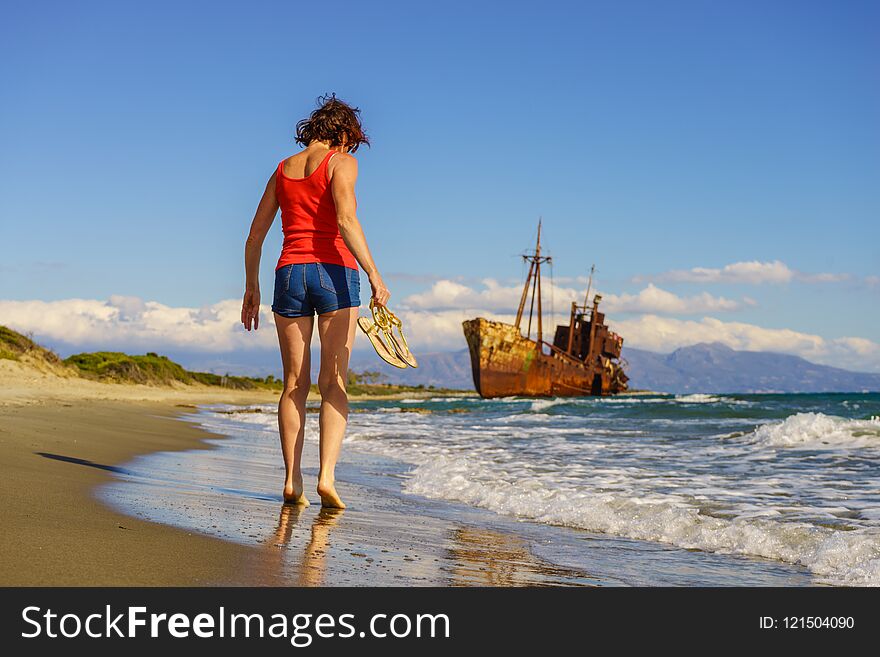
x,y
342,162
344,157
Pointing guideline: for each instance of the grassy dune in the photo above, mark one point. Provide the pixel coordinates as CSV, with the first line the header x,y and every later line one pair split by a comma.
x,y
153,369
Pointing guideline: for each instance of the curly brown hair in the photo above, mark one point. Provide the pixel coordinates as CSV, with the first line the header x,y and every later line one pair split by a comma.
x,y
335,121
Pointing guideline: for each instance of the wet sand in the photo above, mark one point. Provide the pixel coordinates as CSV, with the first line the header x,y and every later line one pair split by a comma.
x,y
61,440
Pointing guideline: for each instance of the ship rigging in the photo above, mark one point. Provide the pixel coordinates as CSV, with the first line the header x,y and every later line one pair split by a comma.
x,y
582,360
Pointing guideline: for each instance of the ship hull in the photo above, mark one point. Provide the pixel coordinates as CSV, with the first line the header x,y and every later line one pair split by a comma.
x,y
504,363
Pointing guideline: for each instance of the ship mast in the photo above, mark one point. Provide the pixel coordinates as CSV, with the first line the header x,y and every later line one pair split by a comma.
x,y
534,278
589,285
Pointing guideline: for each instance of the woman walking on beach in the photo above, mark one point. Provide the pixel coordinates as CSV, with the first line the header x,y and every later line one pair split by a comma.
x,y
317,273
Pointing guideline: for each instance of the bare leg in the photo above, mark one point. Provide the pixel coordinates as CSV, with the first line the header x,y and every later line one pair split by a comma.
x,y
336,330
294,337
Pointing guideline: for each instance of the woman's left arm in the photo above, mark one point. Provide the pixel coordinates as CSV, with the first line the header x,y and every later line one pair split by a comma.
x,y
253,249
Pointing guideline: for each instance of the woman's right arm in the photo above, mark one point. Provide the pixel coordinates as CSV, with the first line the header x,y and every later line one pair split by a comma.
x,y
342,183
263,218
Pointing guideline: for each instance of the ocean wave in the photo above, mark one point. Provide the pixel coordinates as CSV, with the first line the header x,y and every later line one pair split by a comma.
x,y
819,431
539,405
692,398
838,557
701,398
543,404
725,493
448,400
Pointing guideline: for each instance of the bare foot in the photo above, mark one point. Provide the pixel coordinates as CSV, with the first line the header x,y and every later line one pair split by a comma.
x,y
329,496
293,493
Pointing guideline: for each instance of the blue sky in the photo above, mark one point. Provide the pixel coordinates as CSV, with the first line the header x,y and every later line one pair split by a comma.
x,y
651,137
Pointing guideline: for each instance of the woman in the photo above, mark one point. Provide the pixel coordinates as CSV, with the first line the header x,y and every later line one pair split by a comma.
x,y
317,273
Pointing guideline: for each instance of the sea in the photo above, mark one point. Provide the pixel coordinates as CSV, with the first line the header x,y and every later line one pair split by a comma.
x,y
776,488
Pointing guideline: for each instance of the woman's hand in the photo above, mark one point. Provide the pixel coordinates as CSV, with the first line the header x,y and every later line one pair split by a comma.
x,y
250,309
380,292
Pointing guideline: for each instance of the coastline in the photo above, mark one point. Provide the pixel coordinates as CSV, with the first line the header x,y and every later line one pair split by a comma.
x,y
61,438
65,441
111,484
389,536
380,539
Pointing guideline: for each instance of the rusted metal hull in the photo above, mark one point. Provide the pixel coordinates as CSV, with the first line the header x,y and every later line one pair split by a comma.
x,y
504,363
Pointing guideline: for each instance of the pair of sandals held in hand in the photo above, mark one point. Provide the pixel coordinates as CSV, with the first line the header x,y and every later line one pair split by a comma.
x,y
390,347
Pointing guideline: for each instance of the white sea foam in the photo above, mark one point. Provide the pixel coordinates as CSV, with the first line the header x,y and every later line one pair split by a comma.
x,y
841,557
543,404
447,400
538,405
693,398
819,431
718,494
700,398
629,497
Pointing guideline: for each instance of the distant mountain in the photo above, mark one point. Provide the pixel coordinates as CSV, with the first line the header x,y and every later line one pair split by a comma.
x,y
714,367
701,367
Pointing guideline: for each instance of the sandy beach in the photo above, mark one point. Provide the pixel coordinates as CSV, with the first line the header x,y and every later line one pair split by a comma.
x,y
123,484
61,438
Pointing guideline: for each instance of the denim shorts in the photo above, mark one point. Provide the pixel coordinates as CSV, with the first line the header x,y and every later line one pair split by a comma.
x,y
303,289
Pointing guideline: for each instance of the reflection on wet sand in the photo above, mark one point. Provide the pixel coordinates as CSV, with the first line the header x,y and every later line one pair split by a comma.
x,y
313,562
466,556
315,555
482,557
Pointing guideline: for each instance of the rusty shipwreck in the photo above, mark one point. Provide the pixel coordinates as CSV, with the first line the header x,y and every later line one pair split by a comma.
x,y
583,360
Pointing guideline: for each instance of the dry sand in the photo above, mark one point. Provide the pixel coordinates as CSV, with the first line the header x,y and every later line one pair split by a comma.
x,y
59,438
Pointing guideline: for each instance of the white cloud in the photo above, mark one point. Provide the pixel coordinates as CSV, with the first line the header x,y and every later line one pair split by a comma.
x,y
450,295
134,325
665,334
130,323
752,272
446,294
655,300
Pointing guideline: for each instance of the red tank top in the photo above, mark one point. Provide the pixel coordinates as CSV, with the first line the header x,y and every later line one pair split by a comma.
x,y
308,219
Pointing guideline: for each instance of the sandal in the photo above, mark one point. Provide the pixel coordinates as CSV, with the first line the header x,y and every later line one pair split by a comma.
x,y
387,325
386,353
